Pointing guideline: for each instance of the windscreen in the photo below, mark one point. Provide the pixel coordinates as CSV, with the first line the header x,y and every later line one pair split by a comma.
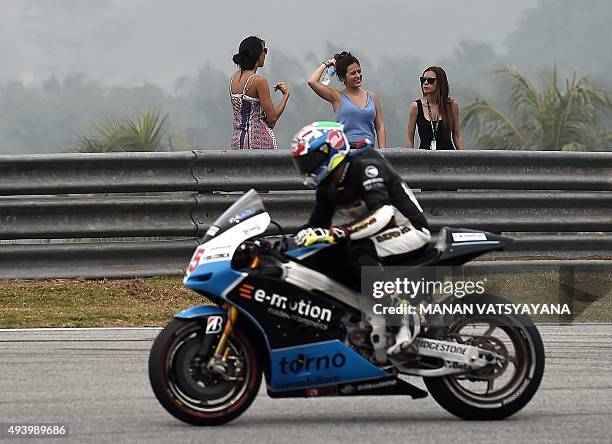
x,y
248,206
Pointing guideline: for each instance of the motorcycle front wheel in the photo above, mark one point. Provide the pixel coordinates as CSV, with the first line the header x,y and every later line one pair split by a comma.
x,y
502,388
187,389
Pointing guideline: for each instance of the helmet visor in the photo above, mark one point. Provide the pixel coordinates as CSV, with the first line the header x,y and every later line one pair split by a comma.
x,y
309,163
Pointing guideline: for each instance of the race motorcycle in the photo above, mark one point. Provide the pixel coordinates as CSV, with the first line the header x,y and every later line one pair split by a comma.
x,y
276,314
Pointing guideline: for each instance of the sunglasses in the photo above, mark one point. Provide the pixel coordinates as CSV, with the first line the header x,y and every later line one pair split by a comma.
x,y
265,50
428,80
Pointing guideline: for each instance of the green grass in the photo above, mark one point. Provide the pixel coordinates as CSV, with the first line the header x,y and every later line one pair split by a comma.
x,y
81,303
153,301
589,299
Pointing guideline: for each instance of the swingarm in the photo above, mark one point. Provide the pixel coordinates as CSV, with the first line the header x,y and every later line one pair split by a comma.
x,y
457,358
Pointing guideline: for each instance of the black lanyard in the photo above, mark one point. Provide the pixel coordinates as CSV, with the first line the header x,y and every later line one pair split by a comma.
x,y
434,128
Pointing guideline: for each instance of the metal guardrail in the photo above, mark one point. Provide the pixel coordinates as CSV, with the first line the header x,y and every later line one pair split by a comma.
x,y
165,258
90,216
96,260
97,173
208,171
179,194
440,170
492,211
170,258
119,216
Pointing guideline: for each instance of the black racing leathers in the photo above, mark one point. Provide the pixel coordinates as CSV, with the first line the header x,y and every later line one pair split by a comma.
x,y
372,193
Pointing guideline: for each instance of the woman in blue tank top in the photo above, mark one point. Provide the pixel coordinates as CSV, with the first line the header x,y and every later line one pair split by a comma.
x,y
357,109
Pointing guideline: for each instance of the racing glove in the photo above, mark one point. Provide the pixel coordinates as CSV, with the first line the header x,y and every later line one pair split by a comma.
x,y
309,236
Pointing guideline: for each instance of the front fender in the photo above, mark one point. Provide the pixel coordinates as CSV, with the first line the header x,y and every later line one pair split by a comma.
x,y
253,332
201,311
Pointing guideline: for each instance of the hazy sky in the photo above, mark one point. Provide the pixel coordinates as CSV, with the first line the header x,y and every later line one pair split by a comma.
x,y
130,41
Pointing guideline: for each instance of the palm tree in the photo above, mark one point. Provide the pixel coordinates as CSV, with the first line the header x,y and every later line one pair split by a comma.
x,y
551,119
145,133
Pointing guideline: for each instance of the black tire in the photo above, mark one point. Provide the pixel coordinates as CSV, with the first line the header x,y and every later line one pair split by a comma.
x,y
460,401
190,393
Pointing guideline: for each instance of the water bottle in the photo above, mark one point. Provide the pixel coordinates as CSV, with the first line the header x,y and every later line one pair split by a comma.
x,y
328,74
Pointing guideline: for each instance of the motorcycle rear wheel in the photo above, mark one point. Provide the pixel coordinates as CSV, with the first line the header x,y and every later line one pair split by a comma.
x,y
183,386
518,378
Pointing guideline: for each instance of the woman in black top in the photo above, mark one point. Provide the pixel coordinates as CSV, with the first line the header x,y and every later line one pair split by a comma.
x,y
435,114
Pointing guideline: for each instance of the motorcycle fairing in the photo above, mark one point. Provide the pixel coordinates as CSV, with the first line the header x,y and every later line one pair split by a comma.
x,y
303,252
287,314
320,364
215,278
210,271
320,359
385,386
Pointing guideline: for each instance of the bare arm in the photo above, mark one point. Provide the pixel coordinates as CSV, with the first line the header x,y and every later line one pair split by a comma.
x,y
457,139
282,87
263,92
325,92
411,127
379,124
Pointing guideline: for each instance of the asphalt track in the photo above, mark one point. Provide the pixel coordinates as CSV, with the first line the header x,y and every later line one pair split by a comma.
x,y
95,381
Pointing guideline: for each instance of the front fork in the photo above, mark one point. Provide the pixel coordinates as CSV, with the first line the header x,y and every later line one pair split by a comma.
x,y
218,363
222,348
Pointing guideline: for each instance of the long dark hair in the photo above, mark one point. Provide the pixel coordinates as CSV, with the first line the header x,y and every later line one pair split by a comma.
x,y
442,98
343,61
248,52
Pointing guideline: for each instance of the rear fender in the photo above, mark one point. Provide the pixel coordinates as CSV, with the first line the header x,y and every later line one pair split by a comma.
x,y
460,245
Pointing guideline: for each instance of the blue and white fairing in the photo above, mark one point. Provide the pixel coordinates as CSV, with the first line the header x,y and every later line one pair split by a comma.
x,y
299,363
210,268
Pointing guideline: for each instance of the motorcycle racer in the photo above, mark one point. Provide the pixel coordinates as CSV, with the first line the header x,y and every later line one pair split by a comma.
x,y
386,219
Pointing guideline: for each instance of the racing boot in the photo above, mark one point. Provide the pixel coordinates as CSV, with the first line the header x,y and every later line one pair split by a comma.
x,y
405,338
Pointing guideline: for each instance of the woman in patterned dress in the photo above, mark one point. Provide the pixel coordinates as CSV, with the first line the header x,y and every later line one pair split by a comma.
x,y
254,112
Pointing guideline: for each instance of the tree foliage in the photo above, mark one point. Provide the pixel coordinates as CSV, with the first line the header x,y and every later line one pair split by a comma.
x,y
555,118
48,117
147,132
569,34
